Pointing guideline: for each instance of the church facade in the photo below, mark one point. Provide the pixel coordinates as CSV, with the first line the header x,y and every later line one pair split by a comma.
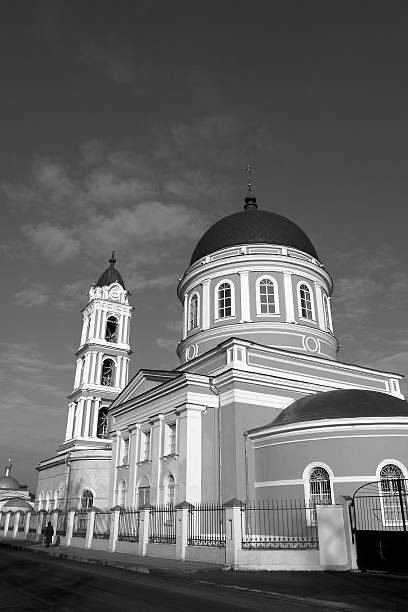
x,y
259,406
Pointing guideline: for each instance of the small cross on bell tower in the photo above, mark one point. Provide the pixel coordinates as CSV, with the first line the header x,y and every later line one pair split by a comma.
x,y
250,200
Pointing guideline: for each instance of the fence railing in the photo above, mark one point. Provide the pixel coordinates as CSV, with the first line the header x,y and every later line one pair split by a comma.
x,y
102,525
162,525
278,525
206,525
62,520
80,522
128,525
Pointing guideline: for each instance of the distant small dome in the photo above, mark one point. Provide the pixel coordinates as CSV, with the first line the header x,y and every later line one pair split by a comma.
x,y
17,502
10,483
252,226
342,404
111,275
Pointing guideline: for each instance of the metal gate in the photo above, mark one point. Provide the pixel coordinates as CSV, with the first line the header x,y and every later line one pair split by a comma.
x,y
379,520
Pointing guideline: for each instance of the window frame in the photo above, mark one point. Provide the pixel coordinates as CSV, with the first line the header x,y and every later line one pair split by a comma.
x,y
258,296
384,506
231,284
109,358
86,507
326,312
115,341
311,518
312,301
191,327
144,435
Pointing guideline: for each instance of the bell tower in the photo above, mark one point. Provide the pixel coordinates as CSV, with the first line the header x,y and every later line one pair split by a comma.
x,y
102,364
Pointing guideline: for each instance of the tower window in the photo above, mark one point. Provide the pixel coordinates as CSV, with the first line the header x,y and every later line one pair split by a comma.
x,y
193,312
111,328
305,300
267,298
224,299
107,373
102,427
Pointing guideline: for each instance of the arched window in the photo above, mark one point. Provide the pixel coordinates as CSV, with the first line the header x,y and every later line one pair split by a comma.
x,y
305,302
143,492
108,368
320,493
111,328
86,499
326,311
193,312
267,299
102,427
393,494
170,489
224,301
122,493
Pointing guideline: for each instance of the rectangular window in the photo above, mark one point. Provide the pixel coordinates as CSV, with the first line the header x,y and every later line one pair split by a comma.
x,y
146,446
125,451
170,446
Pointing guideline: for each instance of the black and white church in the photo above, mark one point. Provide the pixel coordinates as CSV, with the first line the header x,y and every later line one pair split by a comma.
x,y
259,407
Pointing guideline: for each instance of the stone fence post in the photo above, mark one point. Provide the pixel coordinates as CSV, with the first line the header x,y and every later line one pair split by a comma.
x,y
233,530
70,525
114,528
90,526
27,523
144,519
346,501
182,511
332,537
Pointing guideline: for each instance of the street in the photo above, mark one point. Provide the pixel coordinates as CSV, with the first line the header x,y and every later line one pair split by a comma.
x,y
30,582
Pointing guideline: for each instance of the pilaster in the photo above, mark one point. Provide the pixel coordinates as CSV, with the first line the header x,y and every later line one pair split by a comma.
x,y
245,301
289,305
205,310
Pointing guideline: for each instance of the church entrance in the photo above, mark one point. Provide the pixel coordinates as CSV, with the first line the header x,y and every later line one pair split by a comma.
x,y
379,520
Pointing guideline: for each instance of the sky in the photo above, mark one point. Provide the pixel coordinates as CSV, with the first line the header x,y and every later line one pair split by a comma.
x,y
127,124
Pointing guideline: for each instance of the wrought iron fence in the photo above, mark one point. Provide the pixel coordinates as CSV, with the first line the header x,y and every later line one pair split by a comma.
x,y
102,524
278,525
33,525
21,522
206,525
80,523
381,506
162,525
128,525
62,520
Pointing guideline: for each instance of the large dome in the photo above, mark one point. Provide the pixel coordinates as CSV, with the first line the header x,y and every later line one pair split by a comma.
x,y
342,404
252,226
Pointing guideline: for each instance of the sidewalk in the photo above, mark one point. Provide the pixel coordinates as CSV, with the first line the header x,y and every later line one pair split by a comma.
x,y
338,591
134,563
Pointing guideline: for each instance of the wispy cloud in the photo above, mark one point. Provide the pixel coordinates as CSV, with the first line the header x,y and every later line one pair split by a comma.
x,y
167,344
115,64
32,297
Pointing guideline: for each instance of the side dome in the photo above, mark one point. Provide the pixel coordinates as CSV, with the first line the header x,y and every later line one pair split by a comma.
x,y
342,404
111,275
252,226
10,483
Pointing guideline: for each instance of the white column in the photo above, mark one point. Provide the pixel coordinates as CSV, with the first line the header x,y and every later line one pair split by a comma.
x,y
98,324
190,452
287,283
319,304
133,435
123,373
121,330
87,416
103,324
70,419
126,323
84,328
119,361
205,316
94,427
78,373
329,313
92,324
98,369
78,423
185,314
245,303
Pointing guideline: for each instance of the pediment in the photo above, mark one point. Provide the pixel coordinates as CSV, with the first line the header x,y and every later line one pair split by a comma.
x,y
143,381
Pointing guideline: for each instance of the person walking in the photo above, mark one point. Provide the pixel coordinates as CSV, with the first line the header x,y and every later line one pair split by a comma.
x,y
49,532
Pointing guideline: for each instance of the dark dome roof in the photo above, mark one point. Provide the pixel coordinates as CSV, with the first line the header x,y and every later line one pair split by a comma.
x,y
8,482
111,275
17,502
342,404
252,226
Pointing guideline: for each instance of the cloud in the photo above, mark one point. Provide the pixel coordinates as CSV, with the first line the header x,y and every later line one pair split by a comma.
x,y
115,65
57,244
73,295
167,344
32,297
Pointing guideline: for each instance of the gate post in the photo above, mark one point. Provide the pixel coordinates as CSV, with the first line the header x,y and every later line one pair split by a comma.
x,y
144,516
114,527
182,511
233,530
347,502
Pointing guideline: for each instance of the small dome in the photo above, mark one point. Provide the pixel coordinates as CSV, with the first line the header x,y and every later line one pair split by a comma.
x,y
252,226
111,275
17,502
342,404
10,483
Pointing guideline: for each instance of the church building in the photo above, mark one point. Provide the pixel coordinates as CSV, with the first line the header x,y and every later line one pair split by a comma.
x,y
259,406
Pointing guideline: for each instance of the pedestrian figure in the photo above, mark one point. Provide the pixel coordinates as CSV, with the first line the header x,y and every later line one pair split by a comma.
x,y
49,532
